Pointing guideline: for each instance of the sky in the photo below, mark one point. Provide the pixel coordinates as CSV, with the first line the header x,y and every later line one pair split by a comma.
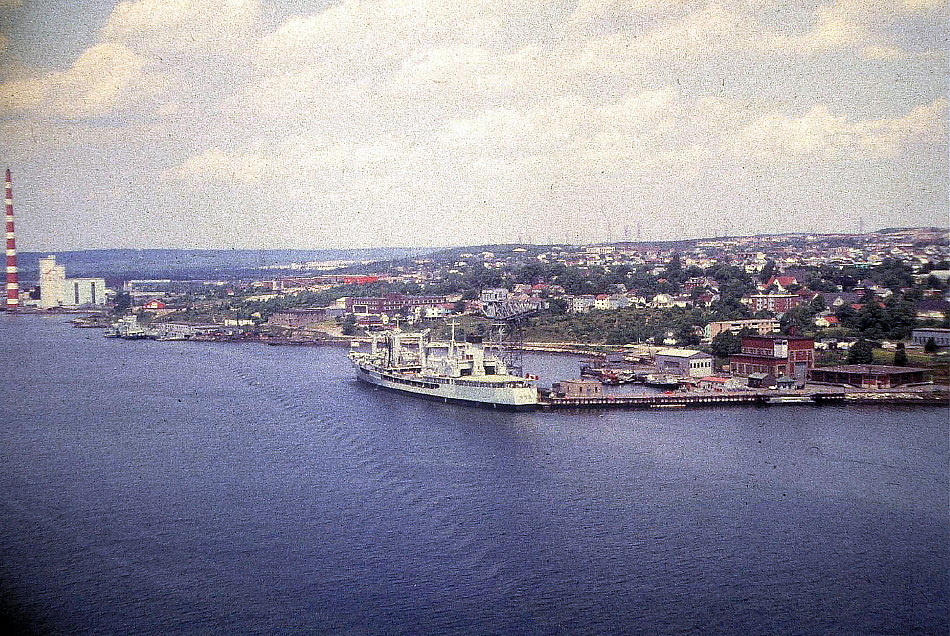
x,y
361,123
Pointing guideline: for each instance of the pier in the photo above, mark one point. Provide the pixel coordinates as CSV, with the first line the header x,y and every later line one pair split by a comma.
x,y
746,398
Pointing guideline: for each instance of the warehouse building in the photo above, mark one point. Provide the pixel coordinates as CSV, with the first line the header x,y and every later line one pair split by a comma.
x,y
870,376
684,362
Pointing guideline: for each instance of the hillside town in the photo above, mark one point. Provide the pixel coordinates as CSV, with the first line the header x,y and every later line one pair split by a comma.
x,y
771,306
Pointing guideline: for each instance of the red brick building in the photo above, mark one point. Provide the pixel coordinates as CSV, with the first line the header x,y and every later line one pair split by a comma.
x,y
775,354
775,303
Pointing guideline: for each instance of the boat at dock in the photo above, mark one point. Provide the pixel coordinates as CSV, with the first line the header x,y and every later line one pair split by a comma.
x,y
127,327
460,372
608,375
662,381
91,322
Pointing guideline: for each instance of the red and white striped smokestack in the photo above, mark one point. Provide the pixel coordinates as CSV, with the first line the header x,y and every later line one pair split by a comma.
x,y
13,286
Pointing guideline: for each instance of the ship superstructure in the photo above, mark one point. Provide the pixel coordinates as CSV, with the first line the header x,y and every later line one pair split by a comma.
x,y
127,327
447,371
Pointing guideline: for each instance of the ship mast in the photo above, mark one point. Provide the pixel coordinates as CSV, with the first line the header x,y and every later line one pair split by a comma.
x,y
452,324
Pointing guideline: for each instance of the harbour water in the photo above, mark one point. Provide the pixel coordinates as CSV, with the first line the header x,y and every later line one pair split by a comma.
x,y
196,488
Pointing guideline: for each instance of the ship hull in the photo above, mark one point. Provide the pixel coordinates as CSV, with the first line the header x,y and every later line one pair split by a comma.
x,y
513,399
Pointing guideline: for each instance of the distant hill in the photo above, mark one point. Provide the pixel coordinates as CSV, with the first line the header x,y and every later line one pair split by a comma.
x,y
185,264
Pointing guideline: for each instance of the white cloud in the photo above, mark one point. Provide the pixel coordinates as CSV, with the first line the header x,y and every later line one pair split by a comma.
x,y
687,31
126,67
421,109
359,34
164,27
104,78
822,135
833,29
881,52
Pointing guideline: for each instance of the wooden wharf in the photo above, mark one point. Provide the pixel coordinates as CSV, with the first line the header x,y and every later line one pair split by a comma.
x,y
693,399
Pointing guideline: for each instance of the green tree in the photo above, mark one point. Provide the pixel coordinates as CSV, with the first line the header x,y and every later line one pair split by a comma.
x,y
872,320
847,316
899,318
558,306
349,325
686,335
893,274
725,344
900,356
798,320
931,346
123,300
861,352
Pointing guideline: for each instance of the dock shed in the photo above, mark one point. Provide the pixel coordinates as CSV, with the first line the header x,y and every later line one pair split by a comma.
x,y
870,376
785,382
761,380
578,388
684,362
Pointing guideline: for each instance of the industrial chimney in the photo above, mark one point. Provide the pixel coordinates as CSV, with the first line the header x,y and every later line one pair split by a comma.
x,y
13,287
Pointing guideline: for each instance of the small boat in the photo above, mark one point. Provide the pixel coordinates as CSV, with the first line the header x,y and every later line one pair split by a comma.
x,y
127,327
662,381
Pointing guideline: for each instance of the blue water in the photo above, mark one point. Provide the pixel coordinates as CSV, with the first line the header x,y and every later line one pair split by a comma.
x,y
186,488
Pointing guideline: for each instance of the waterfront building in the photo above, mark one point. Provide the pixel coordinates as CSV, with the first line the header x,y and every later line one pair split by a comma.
x,y
298,318
719,383
870,376
578,388
58,291
761,381
940,336
775,354
181,330
158,308
52,282
684,362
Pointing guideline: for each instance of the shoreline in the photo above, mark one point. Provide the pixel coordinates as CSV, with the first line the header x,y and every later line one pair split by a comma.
x,y
928,395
